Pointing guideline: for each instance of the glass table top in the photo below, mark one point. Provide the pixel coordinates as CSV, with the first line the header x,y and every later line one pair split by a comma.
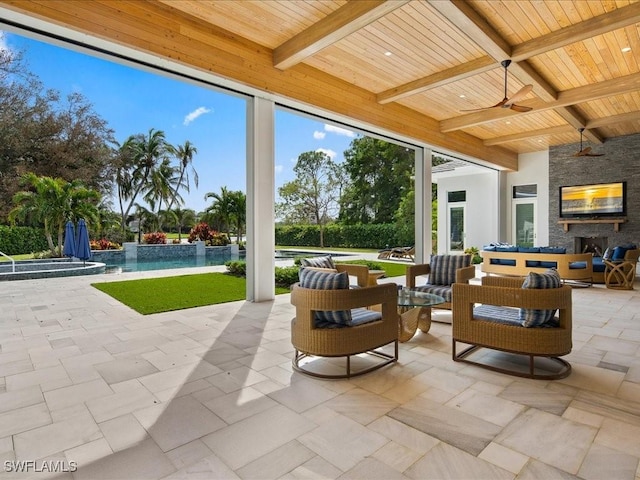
x,y
408,297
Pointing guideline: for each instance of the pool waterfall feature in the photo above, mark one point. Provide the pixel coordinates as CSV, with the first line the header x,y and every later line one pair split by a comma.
x,y
131,252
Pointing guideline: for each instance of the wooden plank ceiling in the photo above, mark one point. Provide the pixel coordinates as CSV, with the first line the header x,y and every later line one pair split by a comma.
x,y
399,63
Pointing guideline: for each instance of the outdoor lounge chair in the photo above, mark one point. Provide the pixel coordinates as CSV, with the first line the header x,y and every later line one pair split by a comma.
x,y
443,271
397,252
332,321
497,324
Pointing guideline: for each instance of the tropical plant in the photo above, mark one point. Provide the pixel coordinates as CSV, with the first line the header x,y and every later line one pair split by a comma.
x,y
155,238
52,202
184,153
238,212
140,156
222,206
181,218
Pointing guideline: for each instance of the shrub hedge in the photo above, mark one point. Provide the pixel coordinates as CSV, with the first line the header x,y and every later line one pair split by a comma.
x,y
345,236
21,240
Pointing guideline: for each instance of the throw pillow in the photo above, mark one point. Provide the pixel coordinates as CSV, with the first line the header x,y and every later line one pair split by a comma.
x,y
320,280
320,262
532,317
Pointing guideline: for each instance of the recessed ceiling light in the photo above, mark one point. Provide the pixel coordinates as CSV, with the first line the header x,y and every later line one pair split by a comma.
x,y
463,96
539,141
388,54
626,49
508,122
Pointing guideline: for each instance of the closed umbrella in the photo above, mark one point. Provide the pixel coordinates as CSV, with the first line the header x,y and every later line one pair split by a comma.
x,y
83,249
69,249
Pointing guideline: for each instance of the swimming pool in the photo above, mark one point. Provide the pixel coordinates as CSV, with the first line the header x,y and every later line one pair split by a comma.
x,y
164,264
188,262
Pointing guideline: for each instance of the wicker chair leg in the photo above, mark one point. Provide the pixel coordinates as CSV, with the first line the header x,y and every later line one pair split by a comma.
x,y
564,367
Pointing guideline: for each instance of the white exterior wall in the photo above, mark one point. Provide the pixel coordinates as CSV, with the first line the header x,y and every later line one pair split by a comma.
x,y
533,168
481,208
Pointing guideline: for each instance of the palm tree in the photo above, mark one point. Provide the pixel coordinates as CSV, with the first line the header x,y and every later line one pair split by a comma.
x,y
181,218
238,212
160,187
140,156
53,202
185,154
222,206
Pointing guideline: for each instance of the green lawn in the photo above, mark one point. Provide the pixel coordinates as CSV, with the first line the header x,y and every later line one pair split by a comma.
x,y
155,295
391,269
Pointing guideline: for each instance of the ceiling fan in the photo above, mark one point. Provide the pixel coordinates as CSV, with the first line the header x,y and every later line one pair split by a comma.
x,y
506,101
585,152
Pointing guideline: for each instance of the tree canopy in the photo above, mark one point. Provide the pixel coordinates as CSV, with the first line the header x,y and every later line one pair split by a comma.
x,y
380,176
314,196
42,133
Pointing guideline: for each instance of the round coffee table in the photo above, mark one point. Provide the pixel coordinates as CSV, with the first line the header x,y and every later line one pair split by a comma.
x,y
414,308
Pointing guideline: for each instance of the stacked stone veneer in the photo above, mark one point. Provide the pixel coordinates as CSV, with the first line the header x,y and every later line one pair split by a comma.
x,y
134,251
621,162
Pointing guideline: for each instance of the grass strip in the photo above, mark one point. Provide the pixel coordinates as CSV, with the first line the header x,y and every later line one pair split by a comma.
x,y
390,269
164,294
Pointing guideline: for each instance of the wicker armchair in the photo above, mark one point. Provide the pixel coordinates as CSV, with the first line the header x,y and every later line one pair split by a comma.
x,y
550,342
621,275
443,271
344,342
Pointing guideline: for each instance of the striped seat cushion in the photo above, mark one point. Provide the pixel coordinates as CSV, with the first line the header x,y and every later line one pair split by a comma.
x,y
504,315
443,291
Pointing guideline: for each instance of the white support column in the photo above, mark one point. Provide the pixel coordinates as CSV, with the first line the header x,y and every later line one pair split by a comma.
x,y
423,204
260,199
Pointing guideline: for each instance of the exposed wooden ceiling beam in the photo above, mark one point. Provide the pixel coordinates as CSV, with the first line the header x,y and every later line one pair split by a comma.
x,y
561,129
348,19
459,72
622,118
587,93
461,14
619,18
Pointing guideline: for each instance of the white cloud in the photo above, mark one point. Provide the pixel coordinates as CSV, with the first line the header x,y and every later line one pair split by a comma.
x,y
339,131
195,114
279,169
319,135
294,160
327,151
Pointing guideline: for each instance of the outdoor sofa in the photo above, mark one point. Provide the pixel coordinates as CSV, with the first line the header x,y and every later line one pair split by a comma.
x,y
512,260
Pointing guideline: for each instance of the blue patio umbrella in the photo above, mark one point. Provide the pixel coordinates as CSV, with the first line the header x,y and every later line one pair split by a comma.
x,y
69,249
83,249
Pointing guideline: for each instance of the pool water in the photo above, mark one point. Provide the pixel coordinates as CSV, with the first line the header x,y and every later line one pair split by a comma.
x,y
163,264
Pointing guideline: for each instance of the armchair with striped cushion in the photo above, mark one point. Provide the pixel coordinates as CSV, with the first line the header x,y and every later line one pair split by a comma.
x,y
443,272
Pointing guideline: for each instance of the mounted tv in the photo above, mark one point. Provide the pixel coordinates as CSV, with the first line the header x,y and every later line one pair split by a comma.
x,y
593,201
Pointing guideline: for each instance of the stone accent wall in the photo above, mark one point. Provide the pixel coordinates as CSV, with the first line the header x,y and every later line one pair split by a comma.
x,y
621,162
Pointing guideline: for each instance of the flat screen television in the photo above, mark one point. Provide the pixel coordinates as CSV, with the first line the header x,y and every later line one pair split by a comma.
x,y
593,201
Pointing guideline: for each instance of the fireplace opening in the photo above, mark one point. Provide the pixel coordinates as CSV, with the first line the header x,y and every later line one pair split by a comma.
x,y
593,245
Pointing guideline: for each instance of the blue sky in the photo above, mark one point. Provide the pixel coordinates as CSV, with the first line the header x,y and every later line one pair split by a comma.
x,y
134,101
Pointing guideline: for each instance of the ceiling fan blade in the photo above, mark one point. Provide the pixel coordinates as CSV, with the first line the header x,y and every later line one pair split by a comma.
x,y
593,155
520,94
520,108
499,104
583,153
